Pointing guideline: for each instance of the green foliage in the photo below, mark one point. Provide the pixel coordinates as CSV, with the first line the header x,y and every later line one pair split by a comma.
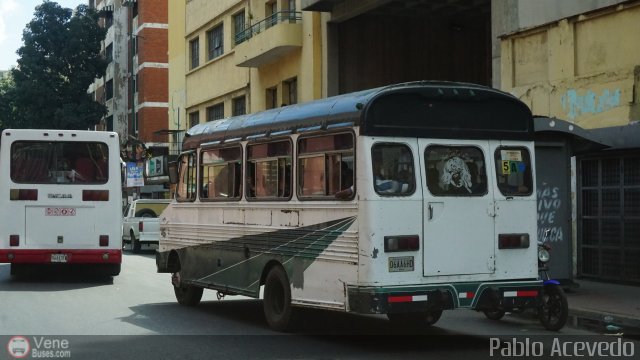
x,y
7,102
60,58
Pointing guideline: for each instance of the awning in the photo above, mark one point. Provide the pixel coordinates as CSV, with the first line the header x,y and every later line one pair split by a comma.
x,y
580,140
620,137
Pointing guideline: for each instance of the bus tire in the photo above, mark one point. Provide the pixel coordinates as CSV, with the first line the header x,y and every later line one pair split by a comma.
x,y
425,318
494,314
135,243
277,299
187,295
16,269
112,269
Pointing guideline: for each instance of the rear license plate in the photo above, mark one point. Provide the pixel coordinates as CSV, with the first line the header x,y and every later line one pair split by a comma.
x,y
58,258
60,212
403,263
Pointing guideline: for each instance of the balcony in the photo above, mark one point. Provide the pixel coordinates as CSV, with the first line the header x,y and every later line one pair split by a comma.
x,y
269,39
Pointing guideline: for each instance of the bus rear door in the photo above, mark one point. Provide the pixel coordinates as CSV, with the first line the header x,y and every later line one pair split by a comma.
x,y
459,226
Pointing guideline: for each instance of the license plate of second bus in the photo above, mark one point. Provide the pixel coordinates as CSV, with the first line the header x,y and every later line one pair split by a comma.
x,y
403,263
58,258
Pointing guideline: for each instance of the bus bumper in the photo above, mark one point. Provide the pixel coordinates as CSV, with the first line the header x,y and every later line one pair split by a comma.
x,y
69,256
420,298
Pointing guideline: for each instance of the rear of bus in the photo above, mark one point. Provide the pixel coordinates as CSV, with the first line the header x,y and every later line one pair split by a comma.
x,y
447,203
60,199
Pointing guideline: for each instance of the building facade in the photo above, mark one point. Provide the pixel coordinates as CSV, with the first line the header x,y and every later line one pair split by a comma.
x,y
135,85
231,57
581,64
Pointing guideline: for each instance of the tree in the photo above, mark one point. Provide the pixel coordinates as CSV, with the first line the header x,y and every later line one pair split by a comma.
x,y
60,58
7,102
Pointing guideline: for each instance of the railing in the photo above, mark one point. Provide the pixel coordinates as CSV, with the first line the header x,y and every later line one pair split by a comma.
x,y
278,17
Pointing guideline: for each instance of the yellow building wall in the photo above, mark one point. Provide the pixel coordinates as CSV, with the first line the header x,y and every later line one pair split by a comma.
x,y
216,80
220,80
581,69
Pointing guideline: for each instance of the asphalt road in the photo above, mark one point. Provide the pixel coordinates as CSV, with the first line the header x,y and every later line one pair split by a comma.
x,y
112,318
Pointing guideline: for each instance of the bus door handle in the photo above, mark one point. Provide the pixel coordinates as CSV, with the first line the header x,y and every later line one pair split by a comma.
x,y
434,209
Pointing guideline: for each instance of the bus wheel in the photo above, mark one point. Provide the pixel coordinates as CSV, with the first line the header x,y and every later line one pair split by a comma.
x,y
426,318
554,309
494,314
277,299
135,244
111,269
16,269
187,295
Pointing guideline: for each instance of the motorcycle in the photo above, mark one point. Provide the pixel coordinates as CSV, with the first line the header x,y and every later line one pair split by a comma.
x,y
552,307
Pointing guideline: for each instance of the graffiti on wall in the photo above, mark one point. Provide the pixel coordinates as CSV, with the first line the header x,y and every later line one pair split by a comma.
x,y
575,105
549,206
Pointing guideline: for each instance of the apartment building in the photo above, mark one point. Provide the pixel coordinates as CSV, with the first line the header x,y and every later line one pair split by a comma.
x,y
241,57
249,55
135,85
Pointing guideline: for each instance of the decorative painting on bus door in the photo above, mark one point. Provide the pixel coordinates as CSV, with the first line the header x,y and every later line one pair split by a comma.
x,y
458,208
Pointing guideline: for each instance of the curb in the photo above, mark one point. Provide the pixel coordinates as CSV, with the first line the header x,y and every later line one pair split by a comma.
x,y
610,322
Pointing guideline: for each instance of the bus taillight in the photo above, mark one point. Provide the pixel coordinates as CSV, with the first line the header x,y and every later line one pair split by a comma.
x,y
104,240
513,241
401,243
14,240
23,194
95,195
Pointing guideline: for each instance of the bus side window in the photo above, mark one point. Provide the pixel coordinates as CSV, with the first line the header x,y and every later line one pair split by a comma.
x,y
185,189
269,170
325,166
220,172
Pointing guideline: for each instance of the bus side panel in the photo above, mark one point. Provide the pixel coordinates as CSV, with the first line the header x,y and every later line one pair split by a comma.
x,y
517,263
389,217
232,257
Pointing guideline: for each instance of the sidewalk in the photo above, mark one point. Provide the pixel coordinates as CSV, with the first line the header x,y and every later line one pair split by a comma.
x,y
615,307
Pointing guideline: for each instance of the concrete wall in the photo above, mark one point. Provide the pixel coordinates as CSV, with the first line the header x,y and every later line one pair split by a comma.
x,y
509,16
583,69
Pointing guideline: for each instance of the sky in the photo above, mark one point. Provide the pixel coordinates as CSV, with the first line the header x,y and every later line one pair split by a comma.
x,y
14,16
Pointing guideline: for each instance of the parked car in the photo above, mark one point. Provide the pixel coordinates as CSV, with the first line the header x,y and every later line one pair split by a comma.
x,y
140,224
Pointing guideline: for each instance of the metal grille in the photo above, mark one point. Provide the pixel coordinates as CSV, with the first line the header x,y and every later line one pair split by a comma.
x,y
609,218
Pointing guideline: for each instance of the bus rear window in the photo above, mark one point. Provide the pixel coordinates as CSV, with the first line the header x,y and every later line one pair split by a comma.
x,y
393,173
455,171
63,162
513,168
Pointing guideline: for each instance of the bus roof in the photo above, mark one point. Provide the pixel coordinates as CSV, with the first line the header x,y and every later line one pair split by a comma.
x,y
414,109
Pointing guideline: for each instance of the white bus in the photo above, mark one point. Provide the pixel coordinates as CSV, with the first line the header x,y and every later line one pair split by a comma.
x,y
60,199
404,200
